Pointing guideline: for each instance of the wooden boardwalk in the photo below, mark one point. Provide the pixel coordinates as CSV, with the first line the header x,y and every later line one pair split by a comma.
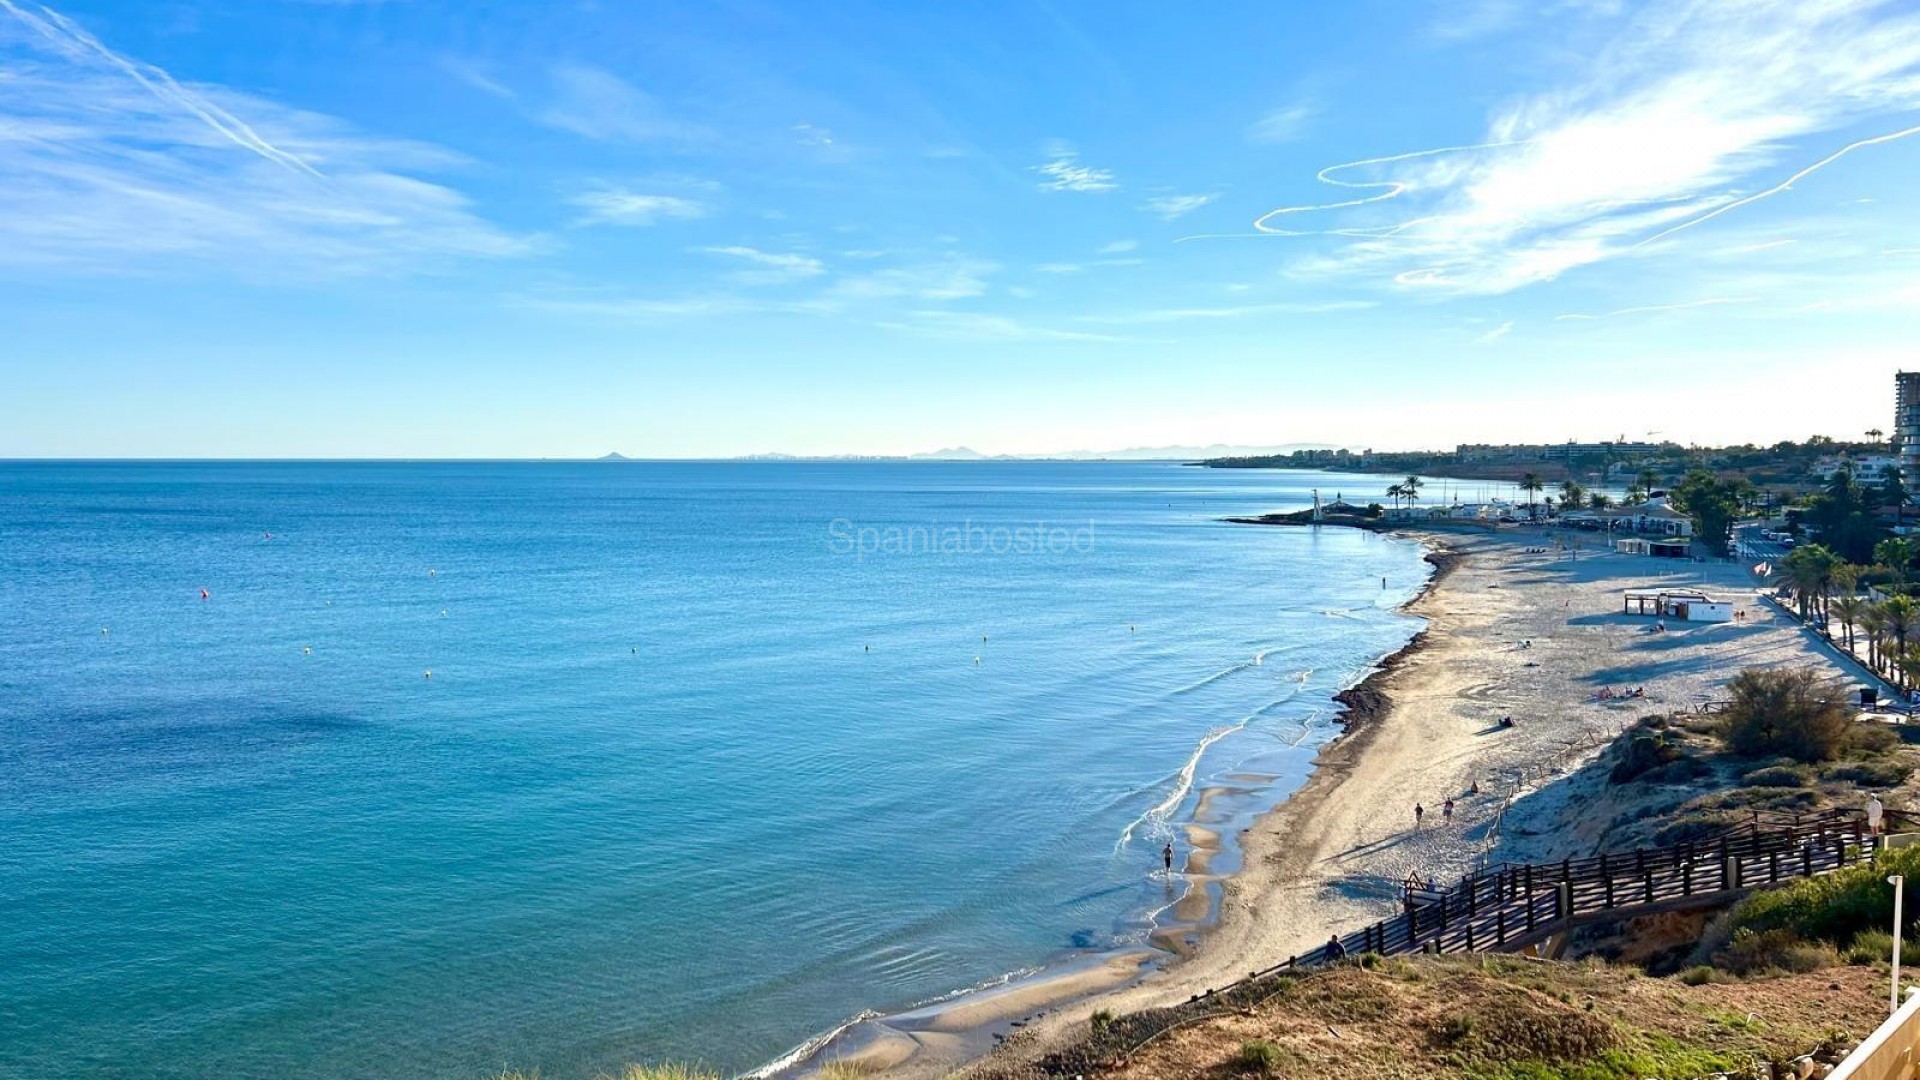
x,y
1512,906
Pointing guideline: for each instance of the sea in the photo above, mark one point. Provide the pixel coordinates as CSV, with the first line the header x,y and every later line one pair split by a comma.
x,y
434,770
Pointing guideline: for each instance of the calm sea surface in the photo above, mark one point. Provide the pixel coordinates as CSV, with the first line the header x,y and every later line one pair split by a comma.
x,y
711,758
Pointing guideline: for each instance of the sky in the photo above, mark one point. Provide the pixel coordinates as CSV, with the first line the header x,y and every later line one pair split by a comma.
x,y
415,228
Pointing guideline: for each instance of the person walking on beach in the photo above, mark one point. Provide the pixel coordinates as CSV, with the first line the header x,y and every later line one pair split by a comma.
x,y
1166,856
1446,810
1875,810
1419,812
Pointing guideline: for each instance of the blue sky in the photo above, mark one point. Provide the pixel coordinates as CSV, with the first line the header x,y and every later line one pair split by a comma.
x,y
266,228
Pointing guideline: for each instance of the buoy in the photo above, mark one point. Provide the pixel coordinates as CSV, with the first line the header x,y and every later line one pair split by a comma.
x,y
983,637
306,650
204,595
976,661
103,629
443,613
429,674
431,572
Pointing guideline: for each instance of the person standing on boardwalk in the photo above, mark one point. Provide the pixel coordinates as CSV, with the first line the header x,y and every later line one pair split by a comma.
x,y
1166,856
1875,810
1334,951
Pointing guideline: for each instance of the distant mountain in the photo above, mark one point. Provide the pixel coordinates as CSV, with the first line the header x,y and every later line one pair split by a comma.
x,y
955,453
613,456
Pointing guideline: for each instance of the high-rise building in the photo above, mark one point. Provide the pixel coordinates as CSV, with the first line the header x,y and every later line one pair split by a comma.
x,y
1906,423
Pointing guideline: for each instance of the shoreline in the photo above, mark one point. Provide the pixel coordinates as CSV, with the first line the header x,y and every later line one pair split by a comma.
x,y
1514,628
968,1027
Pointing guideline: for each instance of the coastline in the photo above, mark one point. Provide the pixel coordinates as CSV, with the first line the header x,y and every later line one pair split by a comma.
x,y
1515,627
968,1028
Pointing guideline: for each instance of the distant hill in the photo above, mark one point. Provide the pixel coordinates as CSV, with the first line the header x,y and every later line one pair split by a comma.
x,y
613,456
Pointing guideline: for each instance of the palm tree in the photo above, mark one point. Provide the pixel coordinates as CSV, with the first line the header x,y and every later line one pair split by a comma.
x,y
1850,609
1396,493
1903,618
1896,553
1873,436
1530,484
1908,665
1571,494
1874,622
1411,486
1599,500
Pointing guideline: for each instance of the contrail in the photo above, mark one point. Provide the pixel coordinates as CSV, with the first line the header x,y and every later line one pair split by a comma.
x,y
1394,188
1777,188
74,40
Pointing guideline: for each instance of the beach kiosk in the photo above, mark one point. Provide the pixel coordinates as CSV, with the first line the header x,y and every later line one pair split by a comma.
x,y
1668,549
1683,604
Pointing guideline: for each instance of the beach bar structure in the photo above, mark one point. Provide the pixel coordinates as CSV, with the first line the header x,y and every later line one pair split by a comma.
x,y
1683,604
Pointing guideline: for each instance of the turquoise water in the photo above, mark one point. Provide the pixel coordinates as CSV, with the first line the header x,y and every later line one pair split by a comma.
x,y
712,756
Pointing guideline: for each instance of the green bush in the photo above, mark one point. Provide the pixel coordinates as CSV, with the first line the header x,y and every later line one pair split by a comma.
x,y
1870,947
1777,776
1258,1056
1835,908
1788,712
1702,975
1101,1021
1885,772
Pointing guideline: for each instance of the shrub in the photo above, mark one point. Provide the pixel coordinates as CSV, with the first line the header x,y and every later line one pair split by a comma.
x,y
1790,712
1258,1056
836,1070
662,1072
1752,951
1834,908
1881,773
1101,1020
1870,947
1777,776
1702,975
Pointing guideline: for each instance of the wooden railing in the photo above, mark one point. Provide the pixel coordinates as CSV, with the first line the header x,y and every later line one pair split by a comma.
x,y
1510,906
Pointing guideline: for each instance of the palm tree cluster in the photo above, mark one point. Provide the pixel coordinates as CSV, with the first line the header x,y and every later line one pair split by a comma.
x,y
1407,490
1825,591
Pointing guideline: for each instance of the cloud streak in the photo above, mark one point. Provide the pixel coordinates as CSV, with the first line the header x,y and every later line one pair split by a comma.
x,y
1649,309
1065,173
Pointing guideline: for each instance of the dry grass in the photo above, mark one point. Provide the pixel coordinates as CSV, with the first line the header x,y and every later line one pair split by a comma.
x,y
1491,1018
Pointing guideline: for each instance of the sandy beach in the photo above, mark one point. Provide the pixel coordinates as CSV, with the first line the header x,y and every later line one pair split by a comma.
x,y
1516,627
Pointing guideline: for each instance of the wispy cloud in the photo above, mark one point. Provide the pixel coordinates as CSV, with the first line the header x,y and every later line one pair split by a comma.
x,y
1065,173
1684,117
977,326
617,206
1245,311
956,278
1494,334
1284,124
770,267
1649,309
1118,247
598,104
107,162
1171,207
